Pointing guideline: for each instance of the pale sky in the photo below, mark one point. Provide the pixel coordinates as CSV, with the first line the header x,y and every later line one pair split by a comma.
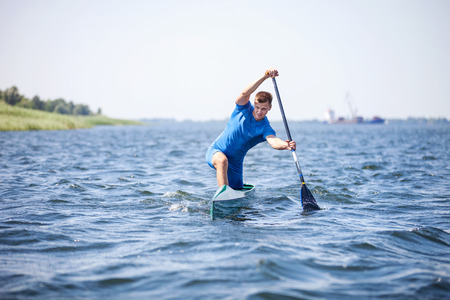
x,y
190,59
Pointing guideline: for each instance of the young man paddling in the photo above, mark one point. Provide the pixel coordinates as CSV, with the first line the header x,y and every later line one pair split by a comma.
x,y
247,127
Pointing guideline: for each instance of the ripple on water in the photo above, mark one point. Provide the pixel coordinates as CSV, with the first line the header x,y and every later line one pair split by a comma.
x,y
177,153
421,240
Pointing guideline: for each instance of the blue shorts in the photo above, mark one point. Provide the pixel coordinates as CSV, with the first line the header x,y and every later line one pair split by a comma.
x,y
235,170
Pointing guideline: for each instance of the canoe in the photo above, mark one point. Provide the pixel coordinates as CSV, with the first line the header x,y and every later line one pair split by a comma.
x,y
227,201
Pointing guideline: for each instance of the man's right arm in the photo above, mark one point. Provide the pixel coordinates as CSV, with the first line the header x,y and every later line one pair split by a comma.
x,y
279,144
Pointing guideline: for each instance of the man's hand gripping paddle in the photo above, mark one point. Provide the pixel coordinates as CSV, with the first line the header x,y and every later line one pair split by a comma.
x,y
306,197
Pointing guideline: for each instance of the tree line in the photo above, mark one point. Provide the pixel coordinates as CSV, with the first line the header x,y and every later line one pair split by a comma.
x,y
60,106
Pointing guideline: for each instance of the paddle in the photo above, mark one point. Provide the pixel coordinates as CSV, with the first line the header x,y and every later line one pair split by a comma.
x,y
306,197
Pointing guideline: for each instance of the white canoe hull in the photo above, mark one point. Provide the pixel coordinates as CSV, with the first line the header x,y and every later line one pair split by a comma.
x,y
227,201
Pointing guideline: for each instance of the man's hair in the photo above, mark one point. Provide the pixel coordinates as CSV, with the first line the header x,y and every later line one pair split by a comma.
x,y
263,97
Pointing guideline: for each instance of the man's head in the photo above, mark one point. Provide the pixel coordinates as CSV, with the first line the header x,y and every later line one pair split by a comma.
x,y
263,103
263,97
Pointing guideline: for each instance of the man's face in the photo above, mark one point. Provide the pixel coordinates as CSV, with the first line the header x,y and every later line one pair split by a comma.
x,y
261,110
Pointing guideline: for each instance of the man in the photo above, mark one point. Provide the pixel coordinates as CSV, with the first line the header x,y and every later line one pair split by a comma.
x,y
247,127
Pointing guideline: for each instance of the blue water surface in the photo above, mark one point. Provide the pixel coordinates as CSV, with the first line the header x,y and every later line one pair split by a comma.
x,y
122,212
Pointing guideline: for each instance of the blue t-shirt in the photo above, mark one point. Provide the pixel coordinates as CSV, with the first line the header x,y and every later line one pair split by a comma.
x,y
242,133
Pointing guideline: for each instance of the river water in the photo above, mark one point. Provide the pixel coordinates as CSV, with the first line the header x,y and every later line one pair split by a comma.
x,y
122,213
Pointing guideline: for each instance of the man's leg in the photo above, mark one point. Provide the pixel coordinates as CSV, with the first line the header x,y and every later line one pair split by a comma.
x,y
220,162
235,174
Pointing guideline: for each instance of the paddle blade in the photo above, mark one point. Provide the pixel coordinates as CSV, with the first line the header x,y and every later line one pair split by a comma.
x,y
307,199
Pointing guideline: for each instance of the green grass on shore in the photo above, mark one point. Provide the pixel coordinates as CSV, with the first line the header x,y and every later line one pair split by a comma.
x,y
14,118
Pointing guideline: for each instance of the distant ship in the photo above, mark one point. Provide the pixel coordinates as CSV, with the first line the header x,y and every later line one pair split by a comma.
x,y
330,117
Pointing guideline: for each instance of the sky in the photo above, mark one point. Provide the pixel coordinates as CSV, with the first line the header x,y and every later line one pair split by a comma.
x,y
189,60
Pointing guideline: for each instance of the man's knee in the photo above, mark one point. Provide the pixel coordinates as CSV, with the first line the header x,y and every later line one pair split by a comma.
x,y
220,160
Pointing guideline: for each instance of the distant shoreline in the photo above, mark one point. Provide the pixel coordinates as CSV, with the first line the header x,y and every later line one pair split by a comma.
x,y
406,121
14,118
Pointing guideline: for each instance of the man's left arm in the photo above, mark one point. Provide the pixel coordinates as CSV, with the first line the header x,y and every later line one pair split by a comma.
x,y
244,97
279,144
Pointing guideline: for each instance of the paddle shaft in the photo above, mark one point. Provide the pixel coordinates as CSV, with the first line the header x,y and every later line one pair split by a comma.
x,y
288,132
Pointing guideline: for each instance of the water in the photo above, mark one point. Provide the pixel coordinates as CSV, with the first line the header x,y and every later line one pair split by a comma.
x,y
122,212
